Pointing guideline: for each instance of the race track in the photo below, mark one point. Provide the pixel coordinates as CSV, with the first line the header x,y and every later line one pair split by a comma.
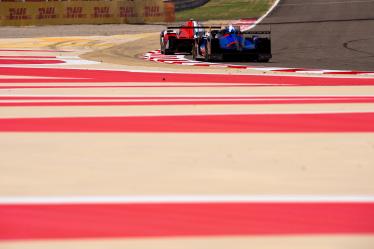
x,y
319,34
148,155
325,34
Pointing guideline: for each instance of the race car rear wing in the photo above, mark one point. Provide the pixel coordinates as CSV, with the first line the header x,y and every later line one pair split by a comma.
x,y
257,32
220,27
195,27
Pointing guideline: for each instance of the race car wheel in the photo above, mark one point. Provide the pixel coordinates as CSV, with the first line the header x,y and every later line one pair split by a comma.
x,y
165,51
264,59
162,46
207,56
170,47
194,52
168,52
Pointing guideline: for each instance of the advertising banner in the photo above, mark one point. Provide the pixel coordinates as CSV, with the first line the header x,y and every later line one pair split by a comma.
x,y
82,12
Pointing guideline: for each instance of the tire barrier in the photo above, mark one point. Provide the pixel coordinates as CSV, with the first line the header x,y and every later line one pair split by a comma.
x,y
188,4
84,12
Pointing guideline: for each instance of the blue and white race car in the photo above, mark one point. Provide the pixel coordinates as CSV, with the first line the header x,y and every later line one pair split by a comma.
x,y
231,43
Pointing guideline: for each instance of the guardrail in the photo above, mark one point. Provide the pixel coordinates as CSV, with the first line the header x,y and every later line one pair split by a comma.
x,y
188,4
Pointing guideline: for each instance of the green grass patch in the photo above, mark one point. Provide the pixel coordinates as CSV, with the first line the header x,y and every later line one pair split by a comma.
x,y
226,10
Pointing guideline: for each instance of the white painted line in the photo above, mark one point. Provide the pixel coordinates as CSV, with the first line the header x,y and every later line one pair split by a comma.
x,y
265,15
310,71
187,199
53,65
68,57
80,62
271,68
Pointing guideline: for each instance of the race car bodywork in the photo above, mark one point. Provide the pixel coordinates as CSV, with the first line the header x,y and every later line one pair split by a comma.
x,y
231,43
179,39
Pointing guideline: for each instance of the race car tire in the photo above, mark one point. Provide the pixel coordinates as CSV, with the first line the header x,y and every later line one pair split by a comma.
x,y
262,59
171,47
194,52
207,56
166,51
162,46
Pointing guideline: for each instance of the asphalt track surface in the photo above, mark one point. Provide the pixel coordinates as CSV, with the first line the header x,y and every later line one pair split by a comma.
x,y
314,34
320,34
327,34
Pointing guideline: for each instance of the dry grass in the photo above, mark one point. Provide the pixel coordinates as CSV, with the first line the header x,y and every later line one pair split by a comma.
x,y
226,10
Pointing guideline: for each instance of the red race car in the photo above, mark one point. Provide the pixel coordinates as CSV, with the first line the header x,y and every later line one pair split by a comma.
x,y
180,39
